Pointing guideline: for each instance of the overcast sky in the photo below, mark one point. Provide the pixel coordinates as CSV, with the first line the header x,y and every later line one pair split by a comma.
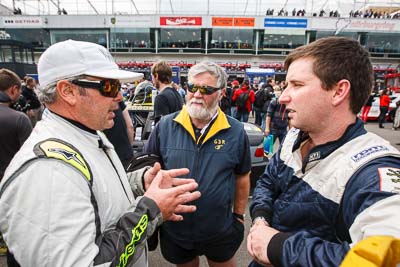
x,y
190,7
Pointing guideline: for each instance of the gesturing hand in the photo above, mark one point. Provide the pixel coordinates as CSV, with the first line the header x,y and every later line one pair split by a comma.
x,y
166,183
171,194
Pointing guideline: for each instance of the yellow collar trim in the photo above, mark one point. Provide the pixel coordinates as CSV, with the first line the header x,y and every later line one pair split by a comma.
x,y
221,123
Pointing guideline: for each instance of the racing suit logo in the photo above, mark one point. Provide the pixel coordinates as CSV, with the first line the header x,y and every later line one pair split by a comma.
x,y
219,143
137,233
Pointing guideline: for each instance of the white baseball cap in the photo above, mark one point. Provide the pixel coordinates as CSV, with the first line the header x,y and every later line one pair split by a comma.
x,y
71,58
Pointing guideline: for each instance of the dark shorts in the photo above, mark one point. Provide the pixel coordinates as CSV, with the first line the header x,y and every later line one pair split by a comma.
x,y
220,249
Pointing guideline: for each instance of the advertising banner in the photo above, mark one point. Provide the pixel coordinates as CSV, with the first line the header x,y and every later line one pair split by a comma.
x,y
232,22
355,24
22,22
243,22
285,23
131,21
227,22
180,21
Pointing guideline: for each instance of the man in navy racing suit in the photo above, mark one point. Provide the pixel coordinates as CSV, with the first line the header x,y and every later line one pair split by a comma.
x,y
331,183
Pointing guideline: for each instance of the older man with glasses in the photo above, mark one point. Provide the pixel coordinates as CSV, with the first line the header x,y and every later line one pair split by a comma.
x,y
65,199
215,148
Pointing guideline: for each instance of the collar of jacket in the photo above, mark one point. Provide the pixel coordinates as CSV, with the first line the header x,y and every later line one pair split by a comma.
x,y
221,123
322,151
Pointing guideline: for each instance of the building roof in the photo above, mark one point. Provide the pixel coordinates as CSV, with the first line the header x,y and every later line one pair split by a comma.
x,y
185,7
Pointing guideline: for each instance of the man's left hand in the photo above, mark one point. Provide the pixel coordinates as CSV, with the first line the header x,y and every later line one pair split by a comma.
x,y
170,179
257,242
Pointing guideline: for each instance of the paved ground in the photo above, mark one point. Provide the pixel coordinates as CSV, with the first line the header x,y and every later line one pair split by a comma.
x,y
156,260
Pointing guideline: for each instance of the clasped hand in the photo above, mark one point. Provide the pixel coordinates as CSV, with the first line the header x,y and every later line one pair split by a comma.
x,y
171,194
257,241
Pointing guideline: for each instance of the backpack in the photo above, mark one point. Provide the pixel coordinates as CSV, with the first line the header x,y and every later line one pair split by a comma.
x,y
224,103
241,101
260,98
231,92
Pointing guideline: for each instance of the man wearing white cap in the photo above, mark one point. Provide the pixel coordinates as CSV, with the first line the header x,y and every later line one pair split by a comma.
x,y
65,199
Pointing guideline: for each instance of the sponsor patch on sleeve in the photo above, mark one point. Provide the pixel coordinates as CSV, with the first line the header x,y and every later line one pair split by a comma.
x,y
389,179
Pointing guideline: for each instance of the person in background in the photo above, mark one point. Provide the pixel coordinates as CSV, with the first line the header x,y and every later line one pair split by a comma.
x,y
121,135
331,184
15,126
396,120
34,107
384,103
276,121
243,98
258,102
216,149
180,90
378,87
268,96
168,99
367,107
65,198
234,86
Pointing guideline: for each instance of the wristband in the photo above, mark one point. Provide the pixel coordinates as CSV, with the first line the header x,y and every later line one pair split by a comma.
x,y
239,216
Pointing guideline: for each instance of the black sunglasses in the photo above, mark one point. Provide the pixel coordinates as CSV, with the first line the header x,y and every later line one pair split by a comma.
x,y
204,89
107,88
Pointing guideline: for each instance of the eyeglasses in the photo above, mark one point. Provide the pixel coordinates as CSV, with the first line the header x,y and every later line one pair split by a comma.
x,y
107,88
204,89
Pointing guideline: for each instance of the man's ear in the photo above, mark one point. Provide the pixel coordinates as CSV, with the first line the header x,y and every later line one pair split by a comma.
x,y
223,92
341,92
67,92
14,92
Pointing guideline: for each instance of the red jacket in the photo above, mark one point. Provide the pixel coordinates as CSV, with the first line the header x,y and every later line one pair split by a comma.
x,y
384,101
250,99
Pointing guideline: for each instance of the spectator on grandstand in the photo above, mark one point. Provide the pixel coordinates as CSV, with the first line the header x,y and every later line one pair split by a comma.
x,y
331,184
270,12
168,99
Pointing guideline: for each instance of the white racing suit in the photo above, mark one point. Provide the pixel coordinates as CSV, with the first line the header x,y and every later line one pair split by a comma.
x,y
65,200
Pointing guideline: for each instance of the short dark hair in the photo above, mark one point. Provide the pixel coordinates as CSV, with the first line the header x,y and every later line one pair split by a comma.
x,y
337,58
8,79
29,80
163,71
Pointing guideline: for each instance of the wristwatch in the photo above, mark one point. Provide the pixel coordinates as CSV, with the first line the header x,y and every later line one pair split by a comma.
x,y
239,216
259,218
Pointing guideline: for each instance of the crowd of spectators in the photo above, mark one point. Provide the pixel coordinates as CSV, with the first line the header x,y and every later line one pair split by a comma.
x,y
373,14
334,13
